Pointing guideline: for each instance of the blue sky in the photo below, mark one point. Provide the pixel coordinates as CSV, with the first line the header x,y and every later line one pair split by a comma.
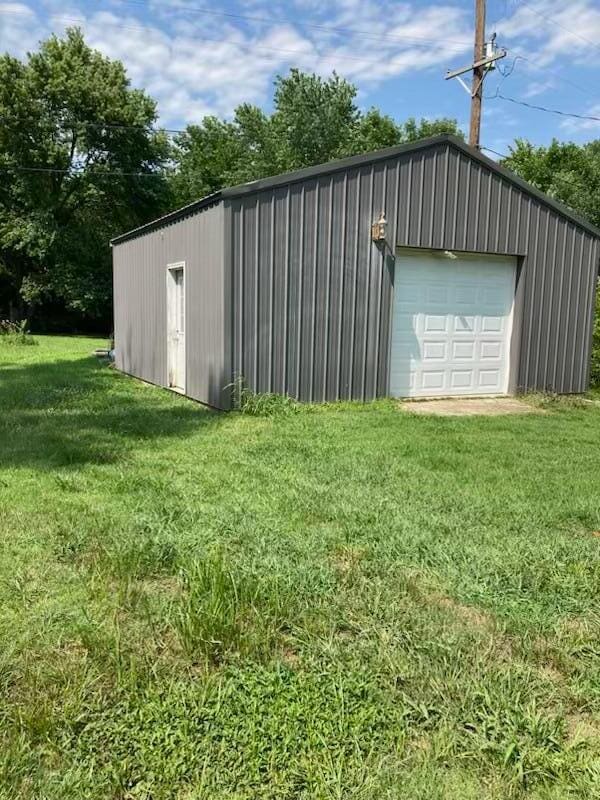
x,y
195,57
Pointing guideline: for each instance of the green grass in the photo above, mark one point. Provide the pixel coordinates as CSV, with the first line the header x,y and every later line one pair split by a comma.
x,y
340,602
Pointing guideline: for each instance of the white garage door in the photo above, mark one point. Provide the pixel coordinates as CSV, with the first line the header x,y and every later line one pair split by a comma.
x,y
451,325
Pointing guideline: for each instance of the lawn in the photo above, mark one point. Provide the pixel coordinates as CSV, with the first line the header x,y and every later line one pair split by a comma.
x,y
338,602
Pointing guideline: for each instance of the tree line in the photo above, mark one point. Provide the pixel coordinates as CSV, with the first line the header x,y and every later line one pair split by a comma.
x,y
83,159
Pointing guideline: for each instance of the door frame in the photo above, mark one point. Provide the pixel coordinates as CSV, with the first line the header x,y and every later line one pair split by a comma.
x,y
170,283
516,310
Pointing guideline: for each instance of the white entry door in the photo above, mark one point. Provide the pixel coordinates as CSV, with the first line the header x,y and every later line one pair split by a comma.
x,y
176,326
452,324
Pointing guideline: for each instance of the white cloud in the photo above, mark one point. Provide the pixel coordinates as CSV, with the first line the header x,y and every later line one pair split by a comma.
x,y
195,64
20,29
573,125
554,28
536,88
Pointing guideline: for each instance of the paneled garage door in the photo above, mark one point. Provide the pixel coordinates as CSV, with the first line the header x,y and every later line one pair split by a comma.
x,y
452,325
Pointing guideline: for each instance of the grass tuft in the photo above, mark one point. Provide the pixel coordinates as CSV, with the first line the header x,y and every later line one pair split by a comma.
x,y
263,404
226,610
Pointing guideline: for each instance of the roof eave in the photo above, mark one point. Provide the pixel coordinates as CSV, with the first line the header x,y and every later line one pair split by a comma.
x,y
526,187
166,219
355,161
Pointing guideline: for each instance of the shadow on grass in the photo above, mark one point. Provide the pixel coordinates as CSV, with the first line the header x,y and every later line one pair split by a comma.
x,y
73,412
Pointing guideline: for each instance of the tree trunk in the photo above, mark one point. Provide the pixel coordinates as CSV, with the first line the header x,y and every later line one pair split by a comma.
x,y
16,310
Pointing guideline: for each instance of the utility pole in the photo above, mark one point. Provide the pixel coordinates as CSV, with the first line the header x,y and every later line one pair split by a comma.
x,y
485,56
478,74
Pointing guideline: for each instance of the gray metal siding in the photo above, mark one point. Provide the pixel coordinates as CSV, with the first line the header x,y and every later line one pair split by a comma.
x,y
140,304
312,295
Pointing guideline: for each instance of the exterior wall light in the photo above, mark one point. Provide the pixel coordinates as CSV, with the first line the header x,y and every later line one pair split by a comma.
x,y
379,229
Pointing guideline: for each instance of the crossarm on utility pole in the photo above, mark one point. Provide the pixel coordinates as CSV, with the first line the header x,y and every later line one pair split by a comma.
x,y
483,62
484,57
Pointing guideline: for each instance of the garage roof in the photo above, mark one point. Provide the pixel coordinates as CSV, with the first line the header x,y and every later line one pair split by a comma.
x,y
356,161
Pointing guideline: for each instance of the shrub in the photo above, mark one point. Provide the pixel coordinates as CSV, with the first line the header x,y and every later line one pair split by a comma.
x,y
15,332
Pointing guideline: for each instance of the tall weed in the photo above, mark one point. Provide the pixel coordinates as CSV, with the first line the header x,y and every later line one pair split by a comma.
x,y
15,333
261,404
226,610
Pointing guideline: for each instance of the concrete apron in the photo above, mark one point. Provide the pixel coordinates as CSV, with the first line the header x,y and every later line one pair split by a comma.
x,y
469,406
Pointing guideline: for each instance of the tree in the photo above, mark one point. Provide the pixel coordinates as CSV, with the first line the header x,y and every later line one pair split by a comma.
x,y
570,173
73,179
412,130
566,171
314,120
375,131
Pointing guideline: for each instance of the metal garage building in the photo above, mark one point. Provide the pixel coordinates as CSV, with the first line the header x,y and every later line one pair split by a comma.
x,y
477,284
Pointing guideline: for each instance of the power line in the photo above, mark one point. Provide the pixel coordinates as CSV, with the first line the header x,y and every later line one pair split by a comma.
x,y
247,45
543,108
563,178
495,152
299,23
84,173
522,57
108,125
506,73
554,21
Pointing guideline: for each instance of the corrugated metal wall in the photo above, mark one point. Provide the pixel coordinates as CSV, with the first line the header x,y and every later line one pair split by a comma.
x,y
140,281
312,295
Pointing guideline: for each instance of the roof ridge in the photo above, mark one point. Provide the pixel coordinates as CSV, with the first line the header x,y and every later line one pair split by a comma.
x,y
329,167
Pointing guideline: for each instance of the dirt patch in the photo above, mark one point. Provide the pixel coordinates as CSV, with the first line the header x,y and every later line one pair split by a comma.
x,y
290,657
469,406
579,625
346,559
164,584
471,616
551,674
582,726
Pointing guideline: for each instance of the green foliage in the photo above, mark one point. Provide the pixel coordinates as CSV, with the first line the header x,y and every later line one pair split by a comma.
x,y
15,332
570,173
85,122
595,357
227,610
262,404
314,120
55,226
412,130
566,171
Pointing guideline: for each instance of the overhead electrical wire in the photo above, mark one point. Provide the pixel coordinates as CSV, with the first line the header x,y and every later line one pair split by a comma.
x,y
554,21
84,173
333,29
109,126
569,181
553,71
514,100
520,56
189,9
252,46
506,73
495,152
301,24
